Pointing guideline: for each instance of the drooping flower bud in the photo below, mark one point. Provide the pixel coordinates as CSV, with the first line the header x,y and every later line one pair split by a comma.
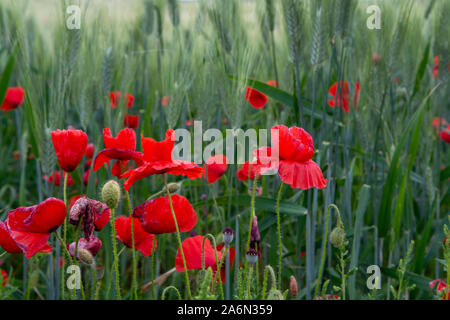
x,y
85,256
91,245
227,236
293,287
172,187
252,256
111,194
255,237
337,237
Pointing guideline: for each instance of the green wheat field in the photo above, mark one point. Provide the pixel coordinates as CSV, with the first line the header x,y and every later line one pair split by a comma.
x,y
358,207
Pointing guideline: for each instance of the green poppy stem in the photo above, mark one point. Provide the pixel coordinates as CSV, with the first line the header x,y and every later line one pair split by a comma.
x,y
116,261
130,212
188,287
280,248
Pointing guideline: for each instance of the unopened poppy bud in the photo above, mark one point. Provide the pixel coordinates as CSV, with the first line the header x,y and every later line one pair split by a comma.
x,y
172,187
227,236
337,237
252,256
85,256
293,287
111,194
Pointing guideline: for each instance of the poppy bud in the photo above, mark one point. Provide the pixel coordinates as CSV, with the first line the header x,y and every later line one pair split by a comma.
x,y
252,256
111,194
293,287
85,256
172,187
337,237
227,235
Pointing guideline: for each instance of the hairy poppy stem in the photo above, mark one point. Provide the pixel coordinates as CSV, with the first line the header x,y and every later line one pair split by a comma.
x,y
249,280
75,256
116,261
2,254
252,212
219,269
188,287
279,235
63,287
324,250
130,212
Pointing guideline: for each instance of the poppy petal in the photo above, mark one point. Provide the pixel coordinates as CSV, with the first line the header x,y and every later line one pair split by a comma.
x,y
301,175
192,249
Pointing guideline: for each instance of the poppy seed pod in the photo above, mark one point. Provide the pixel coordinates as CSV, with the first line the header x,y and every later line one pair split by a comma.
x,y
227,236
293,287
111,194
252,256
172,187
85,256
337,237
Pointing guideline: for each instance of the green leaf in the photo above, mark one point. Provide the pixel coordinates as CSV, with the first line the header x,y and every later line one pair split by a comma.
x,y
420,281
262,203
363,203
384,214
412,153
6,74
421,71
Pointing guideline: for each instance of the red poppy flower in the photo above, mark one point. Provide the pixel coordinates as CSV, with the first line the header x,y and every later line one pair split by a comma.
x,y
189,123
158,160
93,214
3,277
30,227
90,150
438,122
121,148
216,167
57,179
156,216
232,254
91,244
70,146
131,121
272,83
264,164
436,67
256,99
192,249
343,100
143,241
115,99
440,287
296,149
445,134
13,99
165,101
6,242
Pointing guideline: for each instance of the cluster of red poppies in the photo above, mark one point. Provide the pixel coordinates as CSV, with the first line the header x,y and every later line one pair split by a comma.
x,y
342,89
